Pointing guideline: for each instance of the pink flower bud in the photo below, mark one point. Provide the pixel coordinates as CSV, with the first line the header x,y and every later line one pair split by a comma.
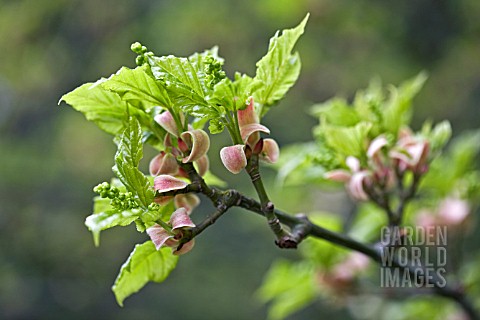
x,y
199,143
251,133
167,122
160,237
356,185
202,165
185,248
180,219
453,211
164,183
338,175
189,201
353,163
376,145
270,151
163,163
248,115
163,200
233,158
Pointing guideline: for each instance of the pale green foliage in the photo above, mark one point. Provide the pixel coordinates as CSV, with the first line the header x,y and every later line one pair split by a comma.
x,y
138,88
289,287
320,252
106,109
455,171
347,129
127,159
144,264
125,105
368,221
278,70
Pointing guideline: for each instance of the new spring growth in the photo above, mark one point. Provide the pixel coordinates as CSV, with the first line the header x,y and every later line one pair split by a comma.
x,y
234,158
141,51
213,72
410,153
179,222
118,200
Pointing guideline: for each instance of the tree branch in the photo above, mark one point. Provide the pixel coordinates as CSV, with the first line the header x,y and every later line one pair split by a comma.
x,y
301,227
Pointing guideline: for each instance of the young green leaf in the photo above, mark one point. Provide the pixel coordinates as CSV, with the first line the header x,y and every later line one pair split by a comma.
x,y
233,95
102,220
144,264
138,88
101,106
348,141
180,77
127,158
290,287
279,68
397,111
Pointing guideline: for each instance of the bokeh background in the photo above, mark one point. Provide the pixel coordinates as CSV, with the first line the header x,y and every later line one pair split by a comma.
x,y
50,157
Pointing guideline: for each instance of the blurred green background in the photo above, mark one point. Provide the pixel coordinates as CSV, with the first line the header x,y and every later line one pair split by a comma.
x,y
50,157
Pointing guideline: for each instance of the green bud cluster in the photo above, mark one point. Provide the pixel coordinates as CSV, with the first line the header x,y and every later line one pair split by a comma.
x,y
213,72
118,200
142,53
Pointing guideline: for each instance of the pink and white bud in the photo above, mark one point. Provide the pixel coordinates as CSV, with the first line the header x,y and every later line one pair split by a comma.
x,y
185,248
189,201
338,175
233,158
163,200
248,115
180,219
164,183
411,154
270,151
453,211
353,163
160,237
202,165
251,133
198,142
163,163
376,145
167,122
356,185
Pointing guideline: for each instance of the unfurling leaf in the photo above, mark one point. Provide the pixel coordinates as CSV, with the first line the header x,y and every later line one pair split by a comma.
x,y
278,70
127,158
139,88
101,106
144,264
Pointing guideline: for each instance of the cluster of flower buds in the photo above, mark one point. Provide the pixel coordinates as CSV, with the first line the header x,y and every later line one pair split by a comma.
x,y
118,200
171,234
342,275
188,146
384,164
235,157
451,211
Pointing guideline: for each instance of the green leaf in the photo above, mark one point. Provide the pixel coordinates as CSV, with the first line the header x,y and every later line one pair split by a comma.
x,y
279,68
233,95
348,141
397,111
102,220
290,287
180,77
337,112
321,252
101,106
138,88
127,159
144,264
